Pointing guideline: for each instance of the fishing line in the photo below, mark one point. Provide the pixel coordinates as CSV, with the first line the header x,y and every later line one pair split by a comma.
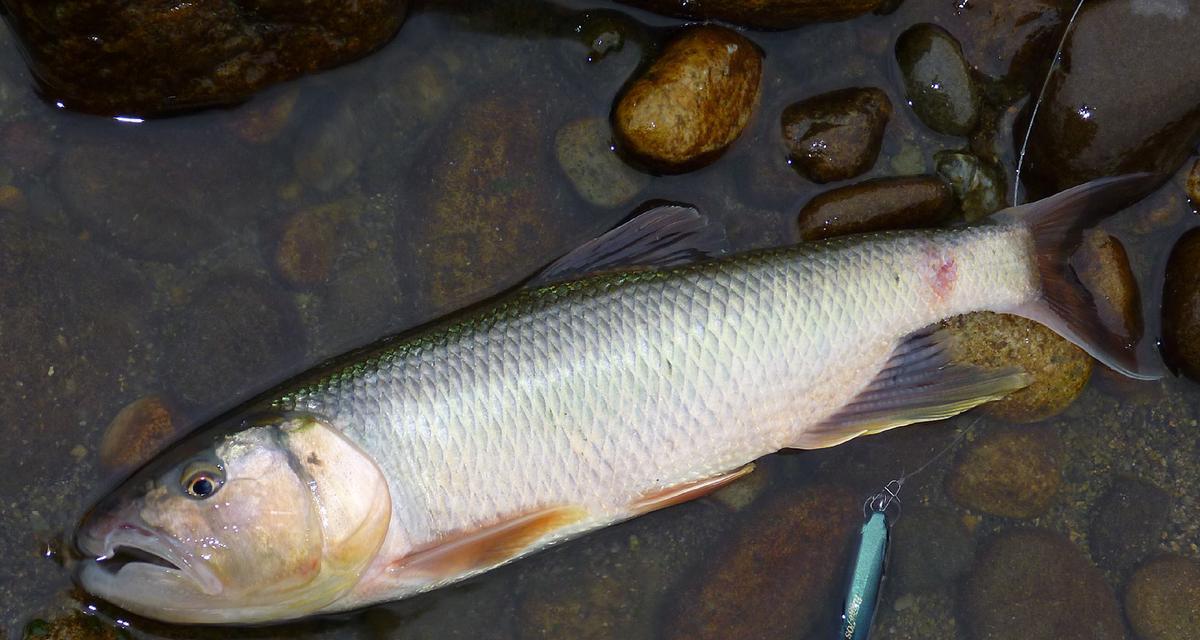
x,y
1054,62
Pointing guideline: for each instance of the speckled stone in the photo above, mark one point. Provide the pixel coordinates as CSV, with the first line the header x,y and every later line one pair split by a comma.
x,y
1126,523
1162,599
1014,472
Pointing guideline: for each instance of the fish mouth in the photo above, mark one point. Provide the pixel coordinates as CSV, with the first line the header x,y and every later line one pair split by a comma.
x,y
127,550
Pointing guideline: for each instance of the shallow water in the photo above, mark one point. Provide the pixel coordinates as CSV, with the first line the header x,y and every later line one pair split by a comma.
x,y
146,259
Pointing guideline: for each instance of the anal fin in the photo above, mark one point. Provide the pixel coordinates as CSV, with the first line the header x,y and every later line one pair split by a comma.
x,y
670,496
467,552
918,383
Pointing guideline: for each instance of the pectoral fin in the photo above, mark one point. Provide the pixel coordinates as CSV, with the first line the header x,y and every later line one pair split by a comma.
x,y
467,552
918,384
690,491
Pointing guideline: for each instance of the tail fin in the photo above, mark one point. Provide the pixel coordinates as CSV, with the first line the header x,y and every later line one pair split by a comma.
x,y
1066,306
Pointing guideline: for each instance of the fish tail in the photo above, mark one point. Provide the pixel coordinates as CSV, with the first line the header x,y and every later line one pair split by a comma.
x,y
1065,305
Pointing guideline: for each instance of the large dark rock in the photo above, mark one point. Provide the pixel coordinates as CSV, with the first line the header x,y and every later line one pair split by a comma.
x,y
836,135
1013,472
1127,522
876,205
147,56
761,14
1127,98
938,80
1181,306
1033,584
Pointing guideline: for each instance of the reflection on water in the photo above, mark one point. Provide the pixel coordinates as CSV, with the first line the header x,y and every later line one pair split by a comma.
x,y
204,258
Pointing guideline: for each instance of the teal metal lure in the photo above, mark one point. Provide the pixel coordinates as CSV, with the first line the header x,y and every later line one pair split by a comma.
x,y
869,561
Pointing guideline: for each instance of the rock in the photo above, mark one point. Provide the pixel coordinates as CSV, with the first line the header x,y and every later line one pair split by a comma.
x,y
1161,598
978,186
1126,523
876,205
261,121
72,626
205,367
937,80
1193,184
836,136
692,102
1013,472
330,153
1181,306
26,147
585,153
13,199
761,14
143,428
1128,99
1060,370
1033,584
309,243
931,549
776,575
143,57
494,212
1103,267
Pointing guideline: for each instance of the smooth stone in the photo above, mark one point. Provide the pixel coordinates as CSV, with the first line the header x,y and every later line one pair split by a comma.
x,y
309,244
692,102
876,205
937,80
761,14
978,186
777,575
1102,265
1033,584
1126,523
1012,472
1161,599
1181,306
138,432
1193,183
1128,102
585,153
931,549
837,135
1059,369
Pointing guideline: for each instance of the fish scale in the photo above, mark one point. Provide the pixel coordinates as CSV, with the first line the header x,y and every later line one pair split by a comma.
x,y
596,392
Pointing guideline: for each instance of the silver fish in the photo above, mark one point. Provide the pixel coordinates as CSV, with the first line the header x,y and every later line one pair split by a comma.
x,y
574,404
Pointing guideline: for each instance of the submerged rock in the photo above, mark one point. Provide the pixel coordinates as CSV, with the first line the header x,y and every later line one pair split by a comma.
x,y
144,57
1126,523
836,136
692,102
1103,267
1193,184
931,549
761,14
143,428
1059,369
1161,599
1013,472
1181,306
938,80
777,574
309,244
978,186
585,153
876,205
1033,584
1126,100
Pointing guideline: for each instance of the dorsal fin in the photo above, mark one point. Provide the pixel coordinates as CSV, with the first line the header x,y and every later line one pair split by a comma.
x,y
669,235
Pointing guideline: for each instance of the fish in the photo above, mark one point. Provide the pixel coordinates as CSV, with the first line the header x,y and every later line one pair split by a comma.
x,y
647,368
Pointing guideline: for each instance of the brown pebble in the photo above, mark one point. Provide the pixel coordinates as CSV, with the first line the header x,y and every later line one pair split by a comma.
x,y
836,135
1012,472
262,121
692,102
1181,306
139,431
1103,267
1059,369
308,245
1162,599
1193,183
877,205
12,199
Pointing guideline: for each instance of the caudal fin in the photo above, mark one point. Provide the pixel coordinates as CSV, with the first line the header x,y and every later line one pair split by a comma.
x,y
1066,306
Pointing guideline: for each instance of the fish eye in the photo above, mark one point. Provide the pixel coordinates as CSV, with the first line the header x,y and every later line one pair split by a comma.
x,y
201,480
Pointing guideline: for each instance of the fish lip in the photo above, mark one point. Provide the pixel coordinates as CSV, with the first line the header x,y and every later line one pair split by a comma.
x,y
131,535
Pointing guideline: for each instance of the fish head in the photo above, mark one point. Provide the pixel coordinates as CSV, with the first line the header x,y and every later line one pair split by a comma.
x,y
269,522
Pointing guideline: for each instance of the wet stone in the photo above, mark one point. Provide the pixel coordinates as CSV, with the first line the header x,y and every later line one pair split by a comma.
x,y
1181,306
876,205
762,14
1160,599
1129,102
692,102
931,549
1126,523
777,575
585,153
1059,369
978,186
310,242
1102,265
330,154
1013,472
159,58
140,430
262,120
1033,584
937,80
1193,184
836,136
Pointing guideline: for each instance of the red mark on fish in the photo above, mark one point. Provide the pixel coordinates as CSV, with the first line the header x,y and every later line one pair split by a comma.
x,y
941,273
